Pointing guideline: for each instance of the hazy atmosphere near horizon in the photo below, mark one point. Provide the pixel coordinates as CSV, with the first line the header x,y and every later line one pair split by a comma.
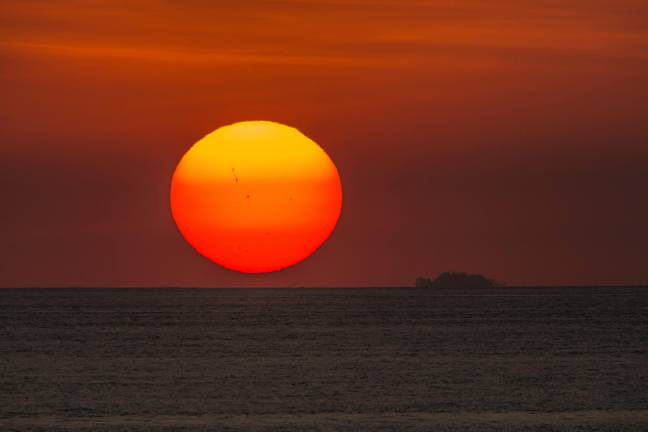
x,y
507,138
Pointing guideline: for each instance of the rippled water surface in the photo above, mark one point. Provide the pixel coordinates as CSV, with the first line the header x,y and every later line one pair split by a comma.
x,y
320,359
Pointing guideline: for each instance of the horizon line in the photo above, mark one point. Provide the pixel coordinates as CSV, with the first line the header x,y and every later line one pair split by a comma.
x,y
562,286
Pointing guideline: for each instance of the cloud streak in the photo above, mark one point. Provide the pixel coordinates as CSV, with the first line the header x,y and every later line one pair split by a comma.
x,y
357,33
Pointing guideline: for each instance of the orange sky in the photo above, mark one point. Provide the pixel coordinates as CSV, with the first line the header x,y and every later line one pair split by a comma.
x,y
509,138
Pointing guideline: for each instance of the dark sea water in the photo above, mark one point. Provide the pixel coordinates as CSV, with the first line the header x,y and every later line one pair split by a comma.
x,y
347,359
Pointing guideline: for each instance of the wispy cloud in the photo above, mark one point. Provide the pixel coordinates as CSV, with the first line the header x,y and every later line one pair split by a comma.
x,y
351,33
167,54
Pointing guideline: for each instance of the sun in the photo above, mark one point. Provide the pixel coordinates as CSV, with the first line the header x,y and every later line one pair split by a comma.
x,y
256,196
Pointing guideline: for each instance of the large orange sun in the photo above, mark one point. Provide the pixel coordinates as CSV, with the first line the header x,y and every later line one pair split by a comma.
x,y
256,196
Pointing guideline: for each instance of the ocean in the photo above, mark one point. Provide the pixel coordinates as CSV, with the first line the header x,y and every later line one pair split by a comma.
x,y
397,359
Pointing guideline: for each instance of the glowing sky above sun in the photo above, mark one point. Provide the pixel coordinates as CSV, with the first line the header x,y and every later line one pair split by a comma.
x,y
503,137
256,196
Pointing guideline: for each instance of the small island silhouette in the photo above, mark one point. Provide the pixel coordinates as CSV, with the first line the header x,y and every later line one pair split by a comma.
x,y
456,280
